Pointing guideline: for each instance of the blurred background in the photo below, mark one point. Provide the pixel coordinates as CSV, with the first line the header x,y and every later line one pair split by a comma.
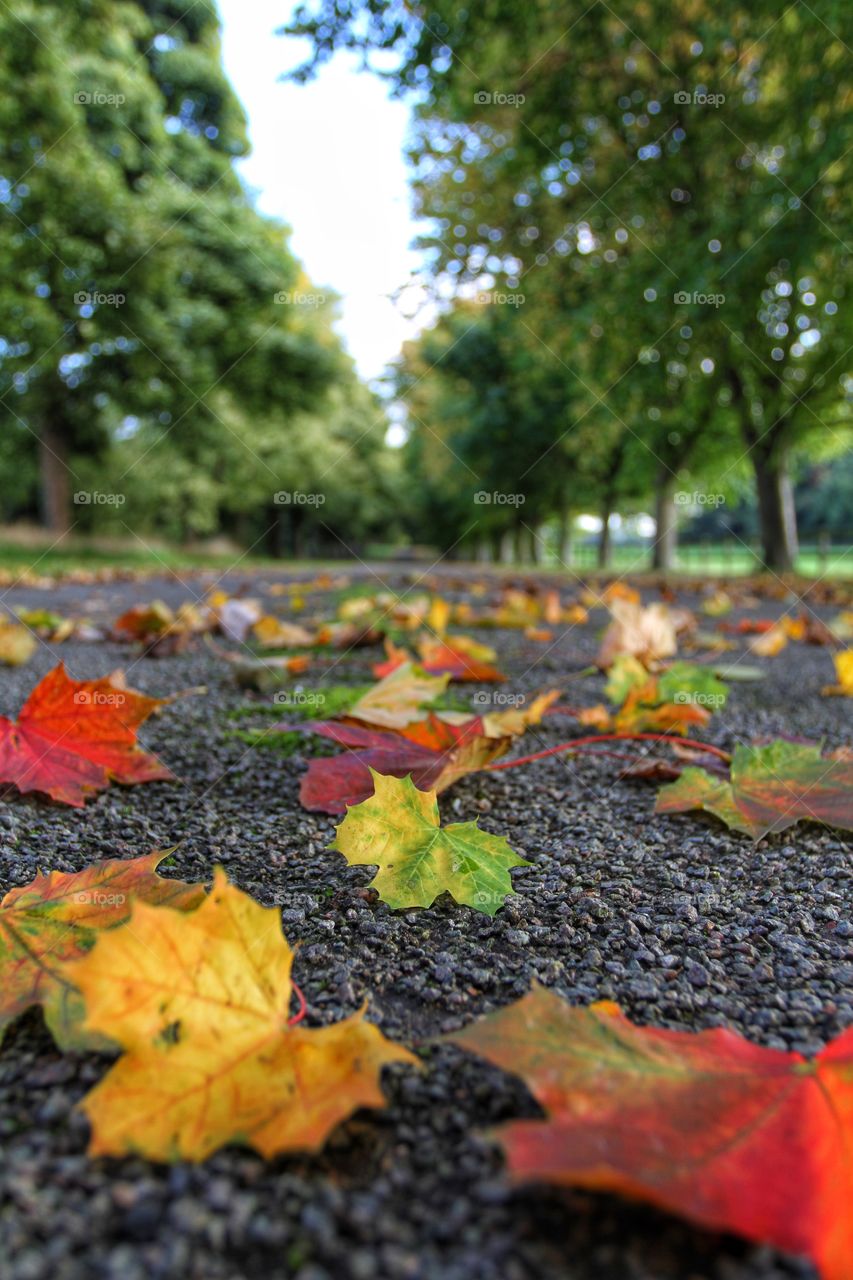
x,y
555,283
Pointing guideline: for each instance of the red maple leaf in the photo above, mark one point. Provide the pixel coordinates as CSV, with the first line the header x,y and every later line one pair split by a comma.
x,y
73,736
727,1133
435,753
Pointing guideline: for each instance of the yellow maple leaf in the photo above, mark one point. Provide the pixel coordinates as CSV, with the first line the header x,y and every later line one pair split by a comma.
x,y
396,700
771,642
17,644
273,633
438,616
516,720
200,1004
844,670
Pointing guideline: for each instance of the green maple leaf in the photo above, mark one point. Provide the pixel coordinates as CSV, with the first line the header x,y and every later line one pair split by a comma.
x,y
398,830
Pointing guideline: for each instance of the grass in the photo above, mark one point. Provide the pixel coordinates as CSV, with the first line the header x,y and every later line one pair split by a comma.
x,y
36,555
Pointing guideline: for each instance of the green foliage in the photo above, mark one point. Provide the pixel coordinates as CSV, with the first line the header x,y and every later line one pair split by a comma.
x,y
159,342
665,193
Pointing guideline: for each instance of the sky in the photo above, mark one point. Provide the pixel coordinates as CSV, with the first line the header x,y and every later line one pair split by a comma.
x,y
327,158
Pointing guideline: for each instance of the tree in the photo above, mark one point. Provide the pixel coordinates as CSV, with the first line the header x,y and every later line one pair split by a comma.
x,y
143,295
686,169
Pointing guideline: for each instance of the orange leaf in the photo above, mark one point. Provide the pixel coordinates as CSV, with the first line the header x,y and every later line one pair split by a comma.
x,y
73,736
726,1133
56,918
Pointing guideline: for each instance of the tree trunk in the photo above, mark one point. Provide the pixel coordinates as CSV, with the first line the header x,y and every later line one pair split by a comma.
x,y
564,538
790,511
666,526
604,544
275,534
55,480
774,521
516,544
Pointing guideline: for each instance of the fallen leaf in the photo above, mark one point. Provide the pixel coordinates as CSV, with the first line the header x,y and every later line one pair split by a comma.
x,y
626,673
17,644
438,615
398,830
717,605
770,643
729,1134
273,633
435,753
771,788
515,721
844,671
50,626
162,631
647,634
237,617
618,591
597,717
200,1003
397,700
73,736
458,657
56,918
461,658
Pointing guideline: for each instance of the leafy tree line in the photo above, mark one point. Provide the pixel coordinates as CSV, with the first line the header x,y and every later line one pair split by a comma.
x,y
667,197
161,350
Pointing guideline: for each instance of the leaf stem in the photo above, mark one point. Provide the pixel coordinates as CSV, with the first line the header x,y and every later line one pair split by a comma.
x,y
303,1008
613,737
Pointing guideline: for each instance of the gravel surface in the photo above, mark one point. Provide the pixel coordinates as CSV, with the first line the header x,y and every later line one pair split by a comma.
x,y
684,924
